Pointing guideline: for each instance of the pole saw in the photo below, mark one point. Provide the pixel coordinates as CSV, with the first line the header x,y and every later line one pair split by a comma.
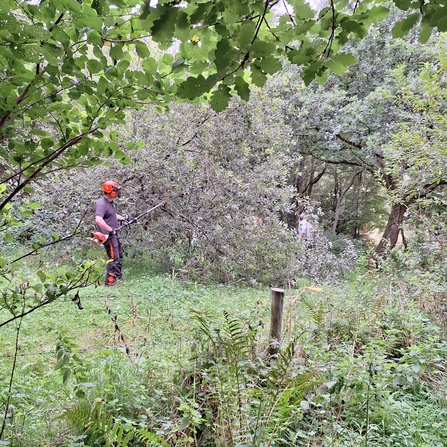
x,y
99,238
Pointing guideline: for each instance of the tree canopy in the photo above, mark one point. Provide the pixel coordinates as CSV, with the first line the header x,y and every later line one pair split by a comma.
x,y
70,69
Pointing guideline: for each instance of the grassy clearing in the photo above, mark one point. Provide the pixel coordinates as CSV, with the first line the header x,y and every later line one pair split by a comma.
x,y
379,362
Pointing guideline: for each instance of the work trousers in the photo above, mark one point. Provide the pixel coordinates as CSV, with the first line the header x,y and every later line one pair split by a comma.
x,y
115,253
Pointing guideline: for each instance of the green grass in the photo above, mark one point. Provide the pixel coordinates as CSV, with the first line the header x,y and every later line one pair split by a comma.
x,y
153,321
381,362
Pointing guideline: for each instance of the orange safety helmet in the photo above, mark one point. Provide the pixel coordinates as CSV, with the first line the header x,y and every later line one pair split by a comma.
x,y
112,188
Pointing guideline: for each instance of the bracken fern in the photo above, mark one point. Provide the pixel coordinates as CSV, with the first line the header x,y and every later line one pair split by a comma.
x,y
244,396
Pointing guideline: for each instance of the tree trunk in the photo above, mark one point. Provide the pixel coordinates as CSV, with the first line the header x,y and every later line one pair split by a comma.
x,y
392,230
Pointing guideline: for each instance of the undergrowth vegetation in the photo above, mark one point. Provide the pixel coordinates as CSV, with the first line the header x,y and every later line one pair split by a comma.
x,y
159,361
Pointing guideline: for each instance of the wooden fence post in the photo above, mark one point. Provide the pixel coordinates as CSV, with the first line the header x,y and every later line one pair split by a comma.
x,y
277,308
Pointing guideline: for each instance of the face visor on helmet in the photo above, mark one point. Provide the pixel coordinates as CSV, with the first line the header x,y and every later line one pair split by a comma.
x,y
112,188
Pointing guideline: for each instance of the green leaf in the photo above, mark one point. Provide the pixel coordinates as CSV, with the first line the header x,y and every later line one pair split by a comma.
x,y
142,94
245,34
64,360
269,65
184,423
71,5
193,88
182,28
376,14
34,206
163,28
257,76
146,10
142,49
302,27
46,143
220,98
356,28
224,54
402,28
303,10
441,24
116,52
94,66
242,88
41,275
49,54
61,36
426,32
100,6
303,55
345,59
312,71
92,22
262,48
337,68
66,376
403,4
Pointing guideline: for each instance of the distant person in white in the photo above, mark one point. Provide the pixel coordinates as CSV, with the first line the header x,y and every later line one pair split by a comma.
x,y
305,228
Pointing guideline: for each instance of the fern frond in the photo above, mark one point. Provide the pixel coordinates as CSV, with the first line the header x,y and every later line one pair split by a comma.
x,y
150,439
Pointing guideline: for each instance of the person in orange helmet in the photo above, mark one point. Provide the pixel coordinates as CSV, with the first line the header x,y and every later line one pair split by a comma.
x,y
107,220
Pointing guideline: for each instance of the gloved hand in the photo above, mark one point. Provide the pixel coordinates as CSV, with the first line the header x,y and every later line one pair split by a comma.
x,y
126,222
